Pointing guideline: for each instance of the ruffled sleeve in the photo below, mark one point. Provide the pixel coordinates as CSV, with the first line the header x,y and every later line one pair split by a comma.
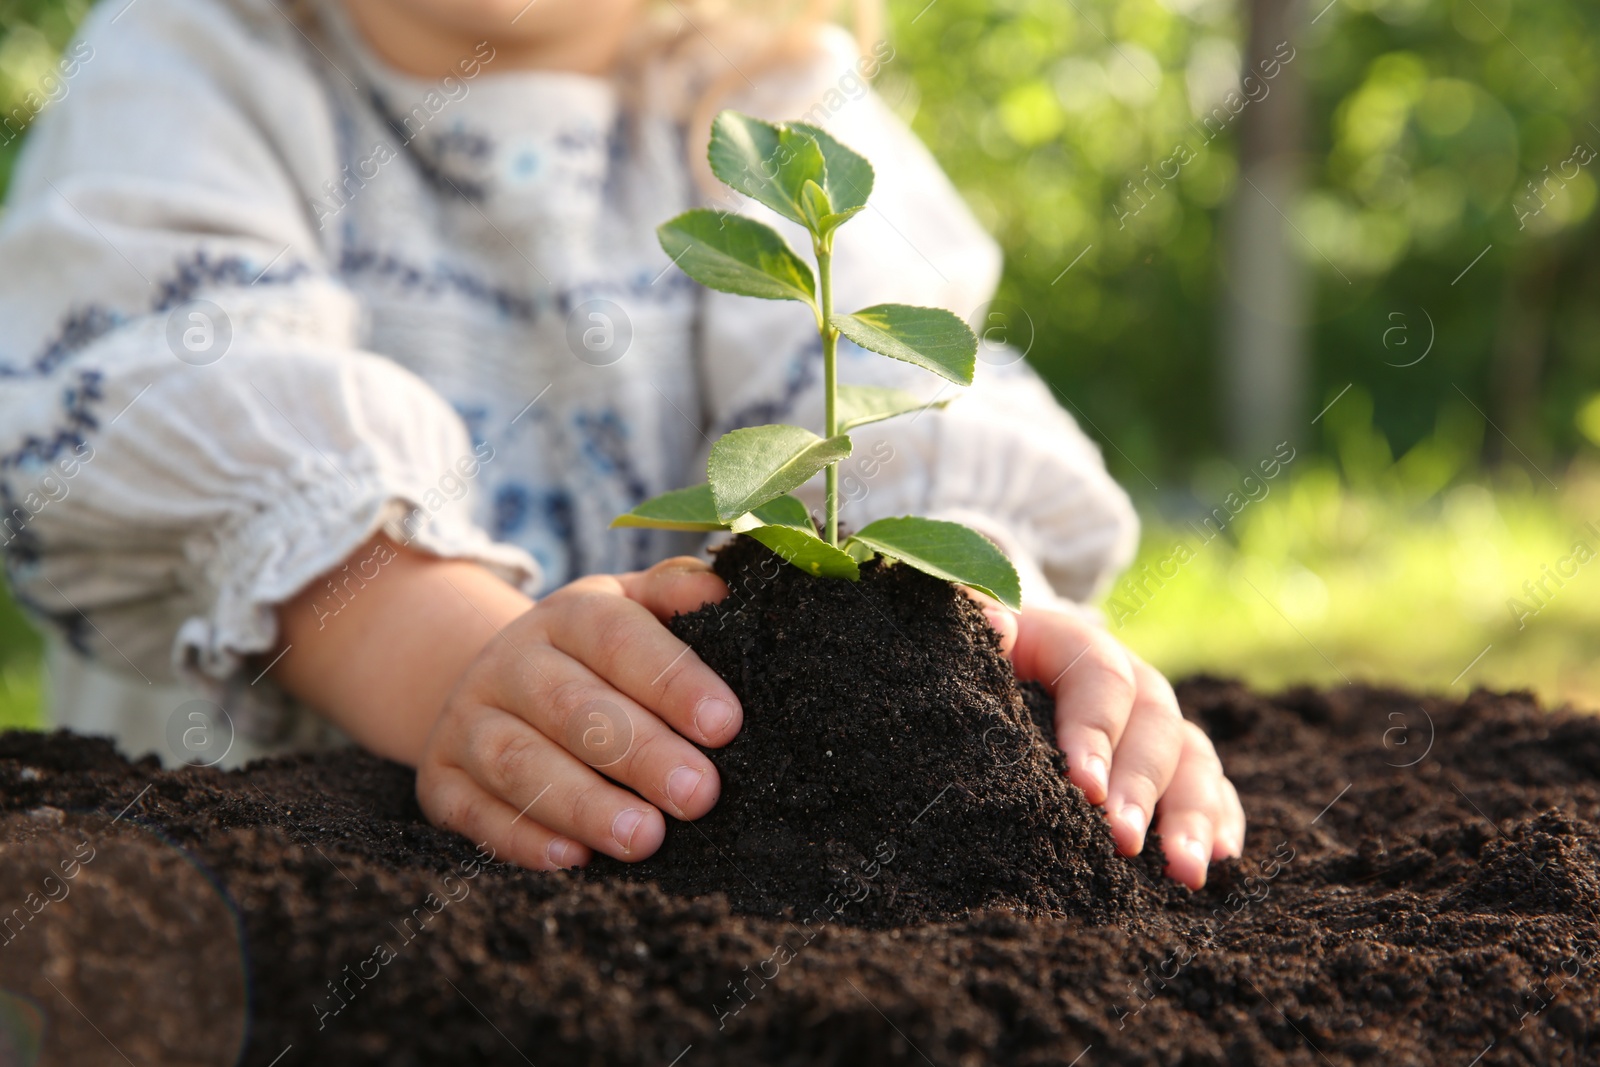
x,y
190,429
1002,456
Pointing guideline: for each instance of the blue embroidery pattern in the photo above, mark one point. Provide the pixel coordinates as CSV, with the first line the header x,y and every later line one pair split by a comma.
x,y
605,444
510,512
79,329
355,262
473,146
200,271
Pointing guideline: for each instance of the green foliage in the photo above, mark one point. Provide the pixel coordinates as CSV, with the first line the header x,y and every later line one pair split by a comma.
x,y
1323,583
946,550
770,164
930,338
1425,124
32,36
751,466
736,255
806,550
849,177
808,177
20,693
1409,569
19,668
779,511
797,170
679,509
860,405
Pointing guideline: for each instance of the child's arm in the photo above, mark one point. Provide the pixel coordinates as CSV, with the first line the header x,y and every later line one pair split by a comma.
x,y
506,706
192,428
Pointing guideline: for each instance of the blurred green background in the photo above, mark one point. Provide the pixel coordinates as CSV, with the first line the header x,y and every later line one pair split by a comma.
x,y
1379,248
1439,215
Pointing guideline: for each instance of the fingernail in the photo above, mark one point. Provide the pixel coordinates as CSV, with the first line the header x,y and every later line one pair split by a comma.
x,y
1133,815
681,785
562,853
1095,768
625,825
712,716
997,619
1198,850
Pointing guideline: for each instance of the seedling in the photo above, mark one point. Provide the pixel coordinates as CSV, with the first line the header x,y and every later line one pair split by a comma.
x,y
806,176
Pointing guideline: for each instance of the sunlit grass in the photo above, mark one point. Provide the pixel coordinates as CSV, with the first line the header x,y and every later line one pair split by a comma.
x,y
19,667
1325,583
19,695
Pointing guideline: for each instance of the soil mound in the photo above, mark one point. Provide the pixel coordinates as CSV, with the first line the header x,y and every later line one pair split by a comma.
x,y
889,770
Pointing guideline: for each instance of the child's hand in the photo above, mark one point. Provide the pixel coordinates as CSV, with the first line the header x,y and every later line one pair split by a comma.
x,y
1127,745
589,677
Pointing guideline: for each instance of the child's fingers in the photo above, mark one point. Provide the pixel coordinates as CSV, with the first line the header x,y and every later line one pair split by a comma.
x,y
572,706
622,739
539,779
622,642
1186,840
1194,809
452,800
1145,759
1230,830
1094,683
1128,746
674,586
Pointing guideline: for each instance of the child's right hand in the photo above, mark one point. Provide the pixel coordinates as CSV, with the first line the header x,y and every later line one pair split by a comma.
x,y
588,677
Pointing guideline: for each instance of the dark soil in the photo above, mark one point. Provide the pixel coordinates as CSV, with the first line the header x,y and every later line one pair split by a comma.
x,y
1419,886
887,754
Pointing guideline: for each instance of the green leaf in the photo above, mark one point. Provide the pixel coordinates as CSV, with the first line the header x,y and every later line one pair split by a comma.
x,y
833,222
849,175
767,162
733,254
749,467
815,206
780,511
784,525
858,405
680,509
800,165
931,338
807,551
946,550
772,162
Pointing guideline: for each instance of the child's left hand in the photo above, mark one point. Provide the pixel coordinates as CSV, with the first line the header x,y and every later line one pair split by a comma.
x,y
1127,745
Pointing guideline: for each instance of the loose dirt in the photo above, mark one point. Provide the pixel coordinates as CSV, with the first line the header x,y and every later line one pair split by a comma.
x,y
897,874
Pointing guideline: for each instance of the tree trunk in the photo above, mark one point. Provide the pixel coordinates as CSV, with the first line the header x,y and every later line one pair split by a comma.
x,y
1521,346
1263,321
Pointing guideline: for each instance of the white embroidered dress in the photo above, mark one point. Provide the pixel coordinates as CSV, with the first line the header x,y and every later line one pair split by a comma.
x,y
261,296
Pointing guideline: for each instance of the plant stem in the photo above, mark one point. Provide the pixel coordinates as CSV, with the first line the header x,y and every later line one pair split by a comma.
x,y
830,360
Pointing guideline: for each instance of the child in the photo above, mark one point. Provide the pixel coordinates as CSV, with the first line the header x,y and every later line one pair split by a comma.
x,y
334,335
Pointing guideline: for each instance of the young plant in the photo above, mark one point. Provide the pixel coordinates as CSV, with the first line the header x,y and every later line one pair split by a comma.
x,y
806,176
